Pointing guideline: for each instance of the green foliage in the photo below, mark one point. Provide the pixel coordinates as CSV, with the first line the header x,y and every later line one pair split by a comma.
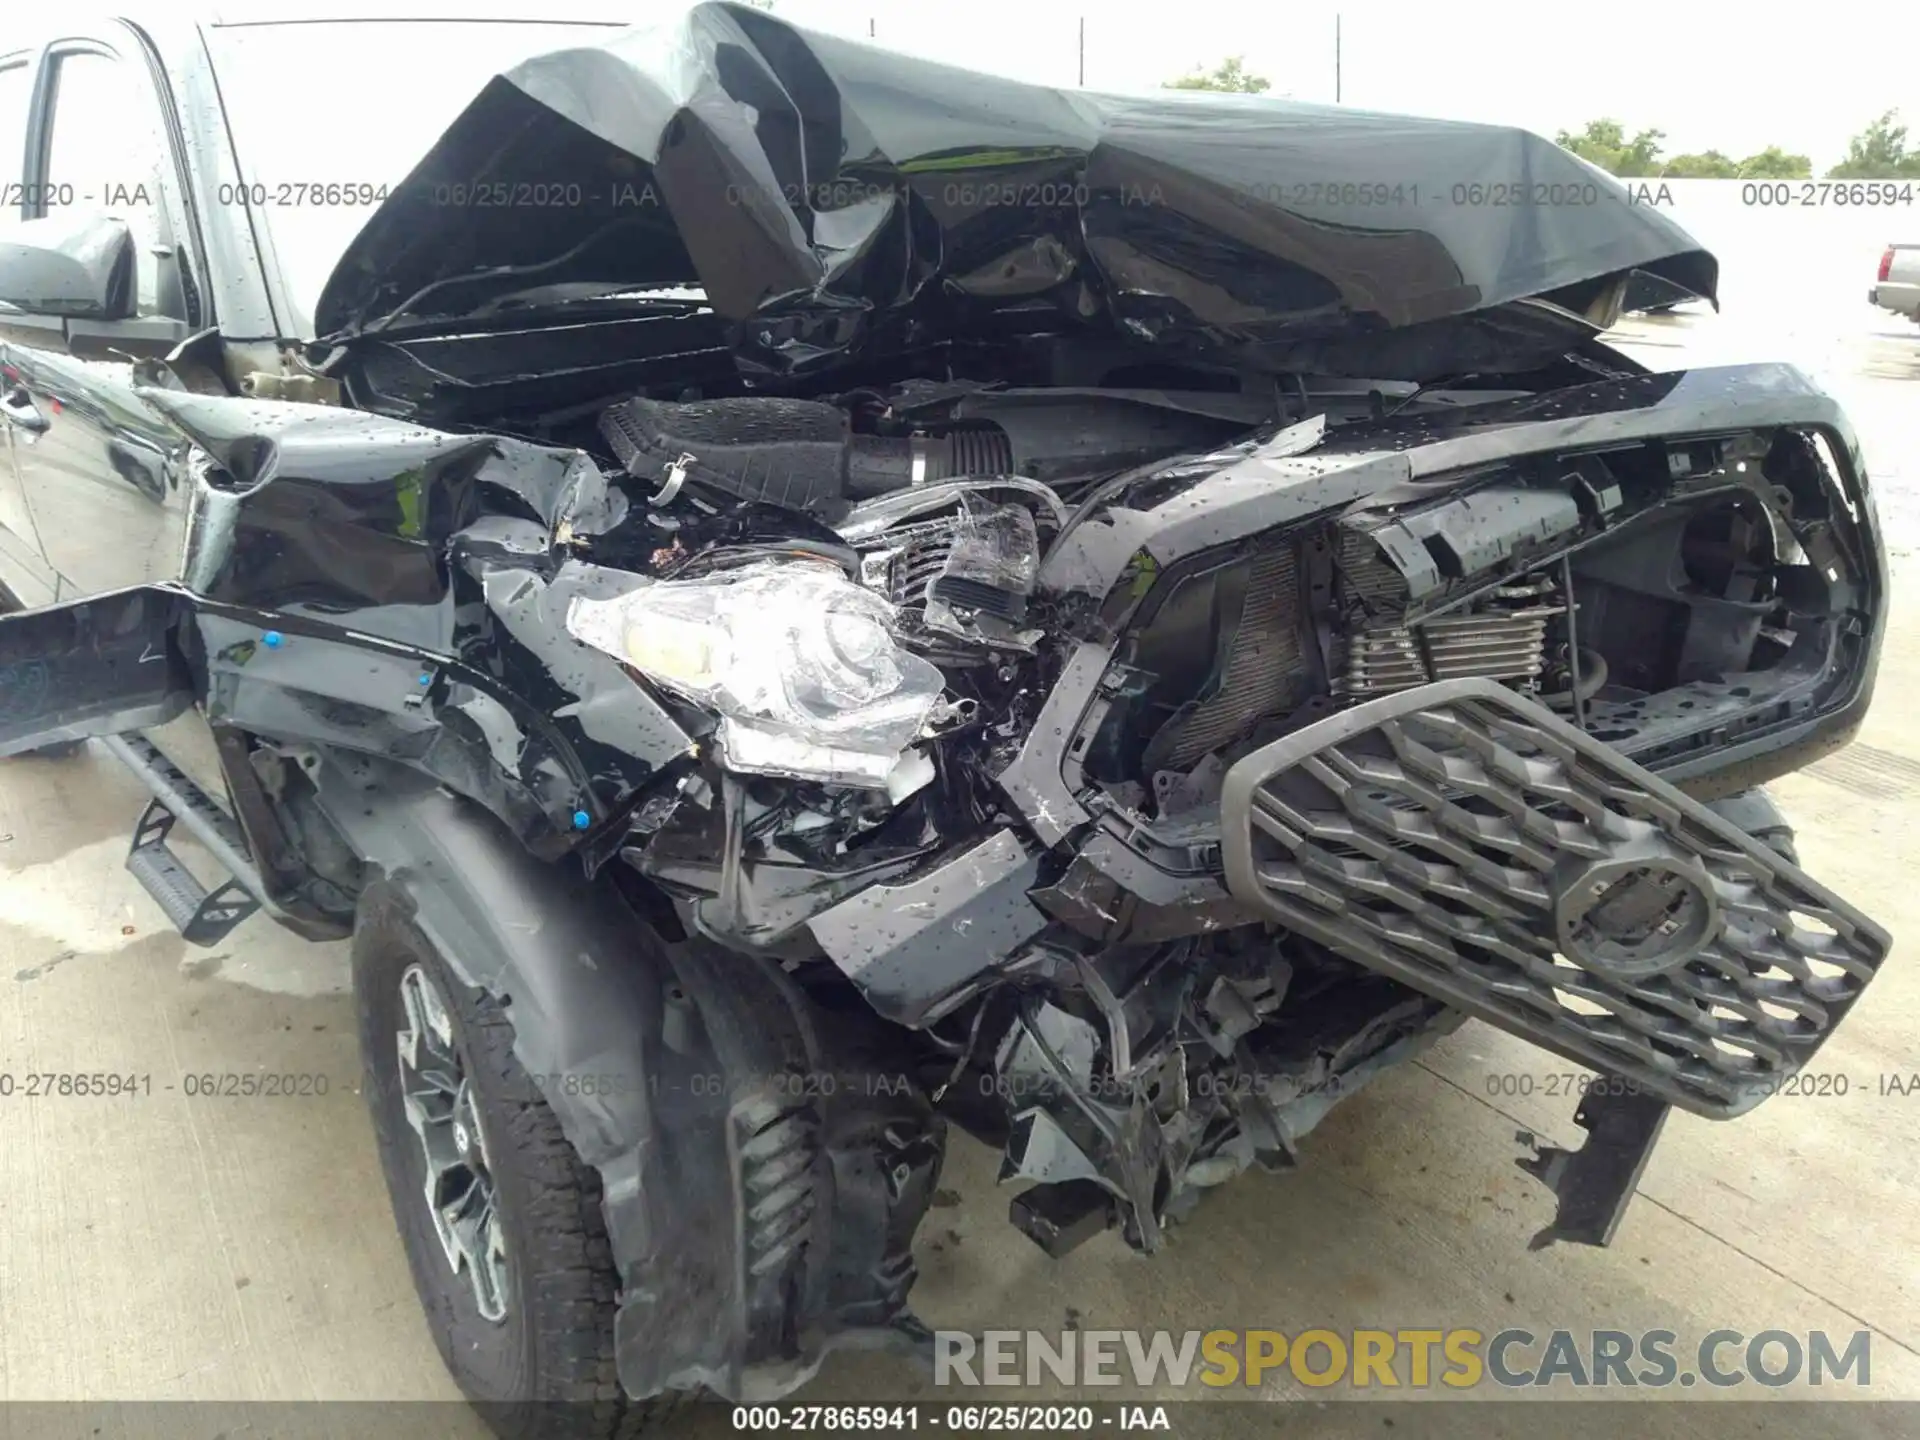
x,y
1773,163
1879,152
1708,165
1604,142
1231,74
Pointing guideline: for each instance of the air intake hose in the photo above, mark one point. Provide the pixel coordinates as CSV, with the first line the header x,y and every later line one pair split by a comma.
x,y
798,454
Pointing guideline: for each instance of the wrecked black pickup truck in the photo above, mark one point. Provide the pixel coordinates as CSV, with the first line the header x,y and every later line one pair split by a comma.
x,y
788,596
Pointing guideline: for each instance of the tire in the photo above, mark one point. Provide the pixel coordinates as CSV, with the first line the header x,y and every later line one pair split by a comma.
x,y
545,1369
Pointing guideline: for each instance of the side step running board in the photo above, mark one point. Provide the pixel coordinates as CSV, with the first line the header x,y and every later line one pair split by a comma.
x,y
202,916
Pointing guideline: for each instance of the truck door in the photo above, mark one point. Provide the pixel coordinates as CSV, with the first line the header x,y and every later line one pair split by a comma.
x,y
25,577
98,469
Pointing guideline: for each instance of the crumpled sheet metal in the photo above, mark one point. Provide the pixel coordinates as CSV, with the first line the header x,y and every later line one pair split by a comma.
x,y
851,202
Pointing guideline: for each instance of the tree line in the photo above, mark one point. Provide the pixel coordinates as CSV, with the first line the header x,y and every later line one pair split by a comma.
x,y
1879,152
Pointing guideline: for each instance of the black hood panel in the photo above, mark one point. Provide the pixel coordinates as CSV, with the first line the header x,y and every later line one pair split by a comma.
x,y
838,202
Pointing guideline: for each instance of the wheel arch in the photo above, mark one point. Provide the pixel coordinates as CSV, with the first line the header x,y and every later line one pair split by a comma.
x,y
692,1118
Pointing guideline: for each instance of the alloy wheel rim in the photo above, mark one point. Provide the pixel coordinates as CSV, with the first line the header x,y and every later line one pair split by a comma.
x,y
459,1189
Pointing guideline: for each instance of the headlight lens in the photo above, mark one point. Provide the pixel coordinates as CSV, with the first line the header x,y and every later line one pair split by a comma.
x,y
799,662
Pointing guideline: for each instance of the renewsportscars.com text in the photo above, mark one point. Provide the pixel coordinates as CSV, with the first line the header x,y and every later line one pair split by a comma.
x,y
1459,1359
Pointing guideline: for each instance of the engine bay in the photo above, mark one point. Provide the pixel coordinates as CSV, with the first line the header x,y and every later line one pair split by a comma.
x,y
1660,596
1650,593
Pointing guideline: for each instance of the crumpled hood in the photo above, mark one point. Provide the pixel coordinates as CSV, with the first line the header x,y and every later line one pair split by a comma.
x,y
840,202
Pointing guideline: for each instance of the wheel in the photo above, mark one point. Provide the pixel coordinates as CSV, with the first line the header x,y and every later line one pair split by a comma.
x,y
510,1258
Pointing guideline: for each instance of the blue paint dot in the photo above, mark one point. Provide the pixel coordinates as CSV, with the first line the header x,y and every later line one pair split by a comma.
x,y
425,678
581,820
273,639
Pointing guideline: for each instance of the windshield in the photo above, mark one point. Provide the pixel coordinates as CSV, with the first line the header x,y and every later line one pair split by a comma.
x,y
317,171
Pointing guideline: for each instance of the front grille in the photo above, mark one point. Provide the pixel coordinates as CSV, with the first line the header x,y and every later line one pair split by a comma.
x,y
1465,841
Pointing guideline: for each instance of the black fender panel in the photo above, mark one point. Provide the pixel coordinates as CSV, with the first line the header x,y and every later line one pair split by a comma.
x,y
554,772
97,666
689,1079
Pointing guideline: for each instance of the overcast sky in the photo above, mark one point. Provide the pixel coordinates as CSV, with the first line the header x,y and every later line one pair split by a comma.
x,y
1735,78
1711,75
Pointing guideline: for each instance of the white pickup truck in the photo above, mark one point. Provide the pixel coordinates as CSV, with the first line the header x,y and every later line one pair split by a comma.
x,y
1897,284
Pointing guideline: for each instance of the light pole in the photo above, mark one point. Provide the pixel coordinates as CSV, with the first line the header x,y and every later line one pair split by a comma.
x,y
1336,57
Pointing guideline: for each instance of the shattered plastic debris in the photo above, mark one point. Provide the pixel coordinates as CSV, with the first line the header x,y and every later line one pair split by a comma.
x,y
990,570
995,545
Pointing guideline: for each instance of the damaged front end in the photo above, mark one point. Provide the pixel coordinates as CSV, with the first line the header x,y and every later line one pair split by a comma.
x,y
1115,672
1346,737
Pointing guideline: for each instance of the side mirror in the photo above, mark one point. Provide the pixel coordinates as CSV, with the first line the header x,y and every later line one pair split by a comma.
x,y
81,267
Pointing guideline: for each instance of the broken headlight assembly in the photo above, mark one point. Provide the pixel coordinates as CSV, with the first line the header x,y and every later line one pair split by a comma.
x,y
798,661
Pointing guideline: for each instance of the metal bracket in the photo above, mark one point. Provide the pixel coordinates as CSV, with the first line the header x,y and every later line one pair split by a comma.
x,y
676,477
1595,1183
202,916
